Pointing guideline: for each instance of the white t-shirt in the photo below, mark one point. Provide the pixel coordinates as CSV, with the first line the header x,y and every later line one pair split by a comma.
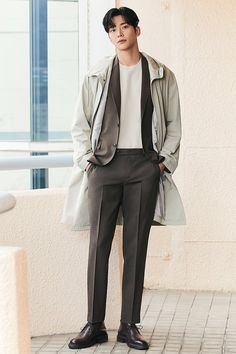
x,y
130,113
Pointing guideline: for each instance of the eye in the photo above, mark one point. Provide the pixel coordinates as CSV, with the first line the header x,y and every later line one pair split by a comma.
x,y
125,26
112,30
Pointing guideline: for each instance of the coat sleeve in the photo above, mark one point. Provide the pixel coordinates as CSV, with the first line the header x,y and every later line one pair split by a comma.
x,y
171,146
81,128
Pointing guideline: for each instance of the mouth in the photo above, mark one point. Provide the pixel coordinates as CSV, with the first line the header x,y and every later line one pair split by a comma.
x,y
121,41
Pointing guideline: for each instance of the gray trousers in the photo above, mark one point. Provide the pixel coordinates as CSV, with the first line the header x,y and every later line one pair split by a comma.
x,y
129,181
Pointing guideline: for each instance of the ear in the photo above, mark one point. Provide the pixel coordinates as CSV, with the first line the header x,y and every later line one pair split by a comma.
x,y
138,31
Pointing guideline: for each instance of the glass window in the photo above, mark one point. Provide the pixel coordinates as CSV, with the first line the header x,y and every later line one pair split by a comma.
x,y
14,179
14,70
62,67
39,80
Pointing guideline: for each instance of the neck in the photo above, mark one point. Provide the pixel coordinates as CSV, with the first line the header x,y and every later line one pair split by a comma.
x,y
129,57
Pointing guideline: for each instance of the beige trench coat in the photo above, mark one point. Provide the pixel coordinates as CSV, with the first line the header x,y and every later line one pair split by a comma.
x,y
166,136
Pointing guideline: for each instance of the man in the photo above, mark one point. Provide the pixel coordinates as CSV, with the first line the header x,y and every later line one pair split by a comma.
x,y
126,136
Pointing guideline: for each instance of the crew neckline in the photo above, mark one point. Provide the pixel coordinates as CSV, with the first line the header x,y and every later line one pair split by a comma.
x,y
130,66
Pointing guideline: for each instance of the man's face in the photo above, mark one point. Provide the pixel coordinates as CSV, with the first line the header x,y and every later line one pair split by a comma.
x,y
123,35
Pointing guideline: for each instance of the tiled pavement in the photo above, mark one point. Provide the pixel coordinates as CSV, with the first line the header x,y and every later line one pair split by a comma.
x,y
174,322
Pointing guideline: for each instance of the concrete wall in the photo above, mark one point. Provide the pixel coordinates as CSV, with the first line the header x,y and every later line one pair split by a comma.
x,y
14,319
57,263
197,40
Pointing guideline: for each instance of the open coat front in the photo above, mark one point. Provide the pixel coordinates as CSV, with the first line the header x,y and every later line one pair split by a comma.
x,y
166,136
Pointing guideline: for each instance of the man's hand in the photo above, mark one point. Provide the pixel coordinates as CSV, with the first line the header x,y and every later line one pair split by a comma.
x,y
162,167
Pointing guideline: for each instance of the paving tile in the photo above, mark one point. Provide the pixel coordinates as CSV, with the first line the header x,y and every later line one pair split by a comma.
x,y
120,350
52,348
174,322
48,352
69,351
36,346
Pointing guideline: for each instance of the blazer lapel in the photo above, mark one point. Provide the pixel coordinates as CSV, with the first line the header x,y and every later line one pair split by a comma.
x,y
115,85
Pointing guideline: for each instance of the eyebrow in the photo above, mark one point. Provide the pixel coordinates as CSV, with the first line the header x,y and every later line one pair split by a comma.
x,y
123,23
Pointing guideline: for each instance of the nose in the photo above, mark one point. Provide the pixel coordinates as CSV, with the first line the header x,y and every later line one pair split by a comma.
x,y
119,32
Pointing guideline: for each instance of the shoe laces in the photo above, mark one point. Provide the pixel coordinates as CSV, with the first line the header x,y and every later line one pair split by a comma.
x,y
88,324
137,327
83,327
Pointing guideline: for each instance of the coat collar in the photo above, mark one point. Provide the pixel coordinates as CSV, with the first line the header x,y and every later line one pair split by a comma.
x,y
156,68
104,66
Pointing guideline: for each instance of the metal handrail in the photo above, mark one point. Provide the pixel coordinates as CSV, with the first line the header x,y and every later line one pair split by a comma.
x,y
38,162
33,146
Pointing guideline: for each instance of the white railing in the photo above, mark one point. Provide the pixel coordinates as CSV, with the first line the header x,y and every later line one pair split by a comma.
x,y
37,162
33,146
30,162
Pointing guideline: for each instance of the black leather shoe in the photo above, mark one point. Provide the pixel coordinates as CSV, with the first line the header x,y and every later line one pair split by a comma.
x,y
129,333
90,334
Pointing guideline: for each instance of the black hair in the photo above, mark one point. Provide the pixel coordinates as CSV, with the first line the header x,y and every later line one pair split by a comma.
x,y
129,15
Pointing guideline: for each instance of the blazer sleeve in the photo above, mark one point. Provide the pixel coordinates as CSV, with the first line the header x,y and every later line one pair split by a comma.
x,y
171,146
81,127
